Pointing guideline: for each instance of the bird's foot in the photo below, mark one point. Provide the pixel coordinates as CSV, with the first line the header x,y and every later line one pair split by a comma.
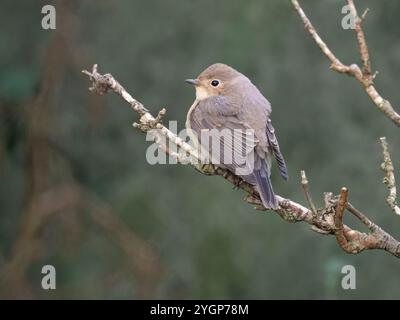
x,y
207,169
237,183
256,201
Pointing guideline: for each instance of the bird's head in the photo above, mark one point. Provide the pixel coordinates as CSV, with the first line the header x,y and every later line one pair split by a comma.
x,y
217,79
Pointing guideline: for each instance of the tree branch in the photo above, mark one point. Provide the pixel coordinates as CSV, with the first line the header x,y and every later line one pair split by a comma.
x,y
364,77
327,220
340,235
389,180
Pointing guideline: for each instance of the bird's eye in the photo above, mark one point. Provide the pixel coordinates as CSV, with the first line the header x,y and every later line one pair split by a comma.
x,y
215,83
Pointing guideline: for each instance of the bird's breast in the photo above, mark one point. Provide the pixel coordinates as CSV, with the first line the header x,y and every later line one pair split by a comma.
x,y
189,114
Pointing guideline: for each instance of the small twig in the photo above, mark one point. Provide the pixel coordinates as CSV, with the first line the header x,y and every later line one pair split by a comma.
x,y
160,115
328,199
360,216
389,180
364,15
304,183
362,42
340,208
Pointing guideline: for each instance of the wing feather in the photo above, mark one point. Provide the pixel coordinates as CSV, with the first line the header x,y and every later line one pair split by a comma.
x,y
221,132
273,142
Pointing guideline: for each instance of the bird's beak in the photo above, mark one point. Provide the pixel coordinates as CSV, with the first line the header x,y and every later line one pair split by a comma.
x,y
193,82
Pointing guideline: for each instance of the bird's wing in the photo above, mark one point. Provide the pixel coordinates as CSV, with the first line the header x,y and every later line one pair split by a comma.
x,y
259,107
218,125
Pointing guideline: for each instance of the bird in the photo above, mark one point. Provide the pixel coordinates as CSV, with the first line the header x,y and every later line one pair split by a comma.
x,y
226,100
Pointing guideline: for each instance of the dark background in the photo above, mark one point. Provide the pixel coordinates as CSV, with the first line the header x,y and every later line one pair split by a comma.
x,y
76,191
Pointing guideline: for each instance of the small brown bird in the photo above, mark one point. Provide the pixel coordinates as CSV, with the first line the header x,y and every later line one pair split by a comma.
x,y
227,100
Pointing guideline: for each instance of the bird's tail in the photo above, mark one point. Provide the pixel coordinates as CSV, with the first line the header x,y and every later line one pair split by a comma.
x,y
277,152
264,187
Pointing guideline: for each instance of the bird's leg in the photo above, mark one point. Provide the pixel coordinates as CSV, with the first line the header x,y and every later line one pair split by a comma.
x,y
237,183
256,201
208,169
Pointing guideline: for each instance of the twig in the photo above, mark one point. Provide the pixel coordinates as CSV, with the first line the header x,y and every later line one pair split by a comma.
x,y
389,180
364,76
304,183
288,210
360,216
364,15
102,83
362,42
339,232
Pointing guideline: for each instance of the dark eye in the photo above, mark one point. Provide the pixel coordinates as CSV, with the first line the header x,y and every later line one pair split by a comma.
x,y
215,83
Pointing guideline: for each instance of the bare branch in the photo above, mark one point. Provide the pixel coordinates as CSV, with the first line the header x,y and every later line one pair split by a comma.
x,y
339,232
362,43
102,83
364,77
328,220
389,180
336,63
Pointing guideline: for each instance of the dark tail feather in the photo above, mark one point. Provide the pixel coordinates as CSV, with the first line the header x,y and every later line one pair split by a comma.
x,y
281,164
264,187
277,152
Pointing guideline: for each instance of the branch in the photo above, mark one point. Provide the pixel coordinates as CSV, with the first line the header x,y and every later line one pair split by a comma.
x,y
340,235
364,76
327,220
362,42
389,180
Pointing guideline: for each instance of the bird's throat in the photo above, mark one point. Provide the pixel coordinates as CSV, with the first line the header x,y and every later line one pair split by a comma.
x,y
201,93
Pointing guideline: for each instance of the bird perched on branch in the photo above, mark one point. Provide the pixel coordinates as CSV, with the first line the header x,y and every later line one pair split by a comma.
x,y
243,139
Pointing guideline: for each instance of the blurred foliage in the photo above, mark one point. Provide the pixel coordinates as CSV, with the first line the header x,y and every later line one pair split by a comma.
x,y
192,236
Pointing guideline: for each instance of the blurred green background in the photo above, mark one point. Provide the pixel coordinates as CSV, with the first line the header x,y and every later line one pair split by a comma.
x,y
76,191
